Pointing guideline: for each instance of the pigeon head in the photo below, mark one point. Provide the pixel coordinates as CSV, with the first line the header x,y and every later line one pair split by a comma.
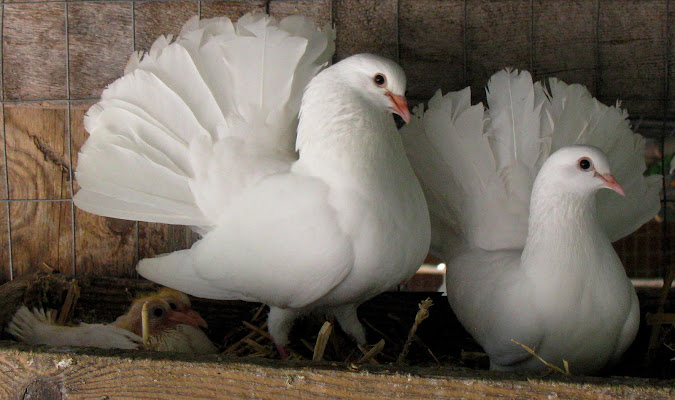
x,y
579,169
378,79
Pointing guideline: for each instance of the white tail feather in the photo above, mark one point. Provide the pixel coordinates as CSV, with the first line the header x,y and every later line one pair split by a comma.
x,y
194,121
480,189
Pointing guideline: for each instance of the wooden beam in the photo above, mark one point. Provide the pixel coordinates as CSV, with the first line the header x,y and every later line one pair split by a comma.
x,y
660,318
90,373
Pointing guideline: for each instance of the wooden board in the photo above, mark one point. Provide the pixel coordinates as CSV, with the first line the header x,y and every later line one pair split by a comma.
x,y
100,39
490,25
632,49
232,9
38,165
80,374
439,63
564,41
365,26
41,233
154,238
34,51
320,11
153,19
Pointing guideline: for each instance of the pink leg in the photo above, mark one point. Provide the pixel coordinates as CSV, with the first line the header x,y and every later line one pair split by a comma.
x,y
283,352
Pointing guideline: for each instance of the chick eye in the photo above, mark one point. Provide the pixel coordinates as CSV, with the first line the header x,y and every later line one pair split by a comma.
x,y
172,305
585,163
158,312
379,80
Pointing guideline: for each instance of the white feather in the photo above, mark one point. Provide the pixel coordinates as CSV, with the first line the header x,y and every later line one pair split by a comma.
x,y
209,85
35,328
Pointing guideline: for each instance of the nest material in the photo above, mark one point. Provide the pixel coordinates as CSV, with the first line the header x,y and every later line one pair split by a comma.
x,y
239,328
395,324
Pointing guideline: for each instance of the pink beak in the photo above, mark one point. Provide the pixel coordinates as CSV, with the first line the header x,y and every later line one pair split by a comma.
x,y
188,317
399,105
611,183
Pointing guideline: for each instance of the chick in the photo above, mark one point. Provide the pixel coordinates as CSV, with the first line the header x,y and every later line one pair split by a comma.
x,y
173,325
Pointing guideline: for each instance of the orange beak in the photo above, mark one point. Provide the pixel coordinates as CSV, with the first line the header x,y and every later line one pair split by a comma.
x,y
188,317
399,105
611,183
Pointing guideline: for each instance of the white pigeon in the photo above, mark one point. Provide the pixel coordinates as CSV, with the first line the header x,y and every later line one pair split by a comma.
x,y
531,260
203,132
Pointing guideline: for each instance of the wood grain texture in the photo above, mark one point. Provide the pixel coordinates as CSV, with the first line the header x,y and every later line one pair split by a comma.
x,y
318,10
3,165
104,246
637,108
153,19
89,374
37,150
640,252
41,233
432,49
78,135
366,26
564,42
154,239
232,9
497,36
101,39
34,51
632,36
5,273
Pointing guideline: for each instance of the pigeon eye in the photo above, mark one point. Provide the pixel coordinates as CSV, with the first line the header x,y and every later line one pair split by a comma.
x,y
585,163
379,80
158,312
173,305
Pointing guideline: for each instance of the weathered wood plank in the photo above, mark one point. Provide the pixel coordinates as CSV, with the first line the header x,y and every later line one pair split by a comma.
x,y
153,19
638,108
4,194
564,35
632,38
432,49
41,233
497,35
78,135
231,9
89,374
366,26
34,50
37,150
640,252
104,246
318,10
100,38
5,273
154,239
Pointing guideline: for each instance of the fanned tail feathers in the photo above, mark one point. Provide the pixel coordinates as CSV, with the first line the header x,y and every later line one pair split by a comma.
x,y
222,99
478,175
579,118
